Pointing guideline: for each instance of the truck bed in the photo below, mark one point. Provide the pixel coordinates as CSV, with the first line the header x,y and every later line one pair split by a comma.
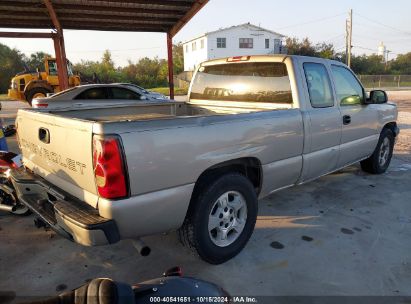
x,y
167,110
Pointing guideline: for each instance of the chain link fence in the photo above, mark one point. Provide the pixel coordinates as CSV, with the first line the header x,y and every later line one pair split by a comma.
x,y
385,81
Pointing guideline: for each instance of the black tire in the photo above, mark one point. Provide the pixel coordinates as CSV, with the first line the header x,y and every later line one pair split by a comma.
x,y
372,164
30,94
22,211
8,197
194,232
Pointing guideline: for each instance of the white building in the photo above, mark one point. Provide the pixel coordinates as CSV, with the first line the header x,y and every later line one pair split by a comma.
x,y
239,40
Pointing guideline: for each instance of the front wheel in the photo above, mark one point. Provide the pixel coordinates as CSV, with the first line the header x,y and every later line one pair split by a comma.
x,y
221,218
379,161
36,93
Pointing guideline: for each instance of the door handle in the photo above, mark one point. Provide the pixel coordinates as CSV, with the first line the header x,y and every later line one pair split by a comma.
x,y
346,119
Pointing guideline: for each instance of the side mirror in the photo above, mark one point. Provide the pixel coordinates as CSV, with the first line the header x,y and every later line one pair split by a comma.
x,y
377,96
142,97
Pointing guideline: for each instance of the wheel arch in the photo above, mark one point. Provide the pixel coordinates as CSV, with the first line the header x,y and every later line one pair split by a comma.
x,y
250,167
37,84
391,126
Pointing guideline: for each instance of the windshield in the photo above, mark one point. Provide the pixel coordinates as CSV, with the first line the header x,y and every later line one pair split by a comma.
x,y
53,68
64,92
248,82
132,85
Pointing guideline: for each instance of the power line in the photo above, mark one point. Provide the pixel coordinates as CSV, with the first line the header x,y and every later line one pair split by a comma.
x,y
374,38
340,48
124,50
333,38
392,33
311,21
383,24
111,51
368,49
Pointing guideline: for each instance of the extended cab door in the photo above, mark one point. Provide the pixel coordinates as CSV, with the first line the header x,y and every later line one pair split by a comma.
x,y
324,122
359,130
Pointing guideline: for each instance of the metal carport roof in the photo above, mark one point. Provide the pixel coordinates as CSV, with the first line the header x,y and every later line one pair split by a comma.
x,y
167,16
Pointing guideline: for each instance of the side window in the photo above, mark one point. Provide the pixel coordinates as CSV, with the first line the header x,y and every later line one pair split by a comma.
x,y
94,93
319,85
52,68
246,43
119,93
221,43
349,90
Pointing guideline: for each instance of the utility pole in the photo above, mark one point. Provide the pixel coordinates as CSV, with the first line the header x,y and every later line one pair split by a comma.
x,y
348,36
386,59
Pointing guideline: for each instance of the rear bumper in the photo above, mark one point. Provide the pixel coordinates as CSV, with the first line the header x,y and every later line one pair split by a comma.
x,y
65,214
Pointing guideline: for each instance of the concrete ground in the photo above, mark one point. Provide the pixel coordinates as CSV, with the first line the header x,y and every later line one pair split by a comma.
x,y
345,234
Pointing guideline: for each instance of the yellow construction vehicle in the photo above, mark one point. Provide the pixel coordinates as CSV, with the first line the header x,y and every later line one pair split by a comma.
x,y
28,84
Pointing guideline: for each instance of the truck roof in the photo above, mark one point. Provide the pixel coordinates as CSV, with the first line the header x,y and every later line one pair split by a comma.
x,y
261,58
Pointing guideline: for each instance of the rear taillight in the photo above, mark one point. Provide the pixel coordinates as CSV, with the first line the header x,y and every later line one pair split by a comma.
x,y
238,58
109,171
41,105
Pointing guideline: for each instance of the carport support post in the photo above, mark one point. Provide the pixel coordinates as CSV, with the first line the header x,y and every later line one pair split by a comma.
x,y
61,67
64,77
170,64
59,48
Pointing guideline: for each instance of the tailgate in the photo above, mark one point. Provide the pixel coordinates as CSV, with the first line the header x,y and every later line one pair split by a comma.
x,y
59,149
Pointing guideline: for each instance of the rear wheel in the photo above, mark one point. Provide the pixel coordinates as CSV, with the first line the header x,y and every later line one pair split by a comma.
x,y
36,93
221,218
379,161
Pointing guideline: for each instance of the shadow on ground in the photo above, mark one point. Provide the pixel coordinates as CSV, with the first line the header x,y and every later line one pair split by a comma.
x,y
346,233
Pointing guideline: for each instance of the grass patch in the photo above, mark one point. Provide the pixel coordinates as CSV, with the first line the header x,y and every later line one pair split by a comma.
x,y
166,91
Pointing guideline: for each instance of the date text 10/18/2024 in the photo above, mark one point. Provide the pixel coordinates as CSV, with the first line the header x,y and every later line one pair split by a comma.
x,y
200,299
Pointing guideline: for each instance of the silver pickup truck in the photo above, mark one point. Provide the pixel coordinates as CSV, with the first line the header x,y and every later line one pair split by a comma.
x,y
253,125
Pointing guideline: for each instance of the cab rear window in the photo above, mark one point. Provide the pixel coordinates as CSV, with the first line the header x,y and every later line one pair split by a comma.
x,y
245,81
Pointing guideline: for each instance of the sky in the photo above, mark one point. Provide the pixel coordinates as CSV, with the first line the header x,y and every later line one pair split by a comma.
x,y
374,21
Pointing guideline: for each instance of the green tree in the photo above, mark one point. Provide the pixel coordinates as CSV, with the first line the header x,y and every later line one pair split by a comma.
x,y
401,65
150,72
36,61
106,70
11,62
146,72
86,69
325,50
368,65
297,47
178,58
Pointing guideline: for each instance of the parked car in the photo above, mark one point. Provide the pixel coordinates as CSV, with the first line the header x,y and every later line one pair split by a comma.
x,y
98,95
253,125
